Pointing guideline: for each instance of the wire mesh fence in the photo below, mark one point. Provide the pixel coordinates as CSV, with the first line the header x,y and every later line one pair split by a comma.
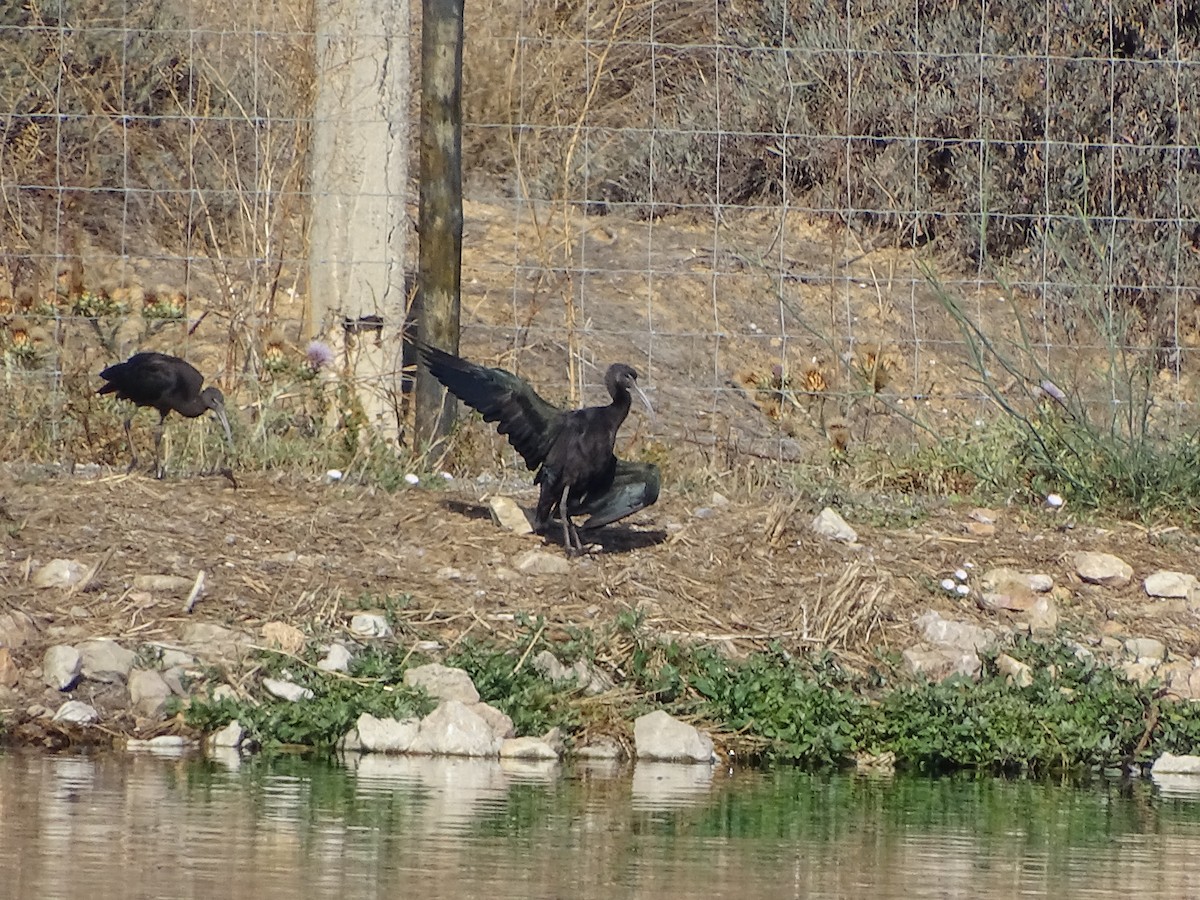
x,y
808,224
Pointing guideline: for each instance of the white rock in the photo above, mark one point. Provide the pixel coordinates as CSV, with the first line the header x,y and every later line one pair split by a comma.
x,y
508,515
1146,650
412,478
148,693
170,657
1140,672
209,641
1054,501
956,635
337,659
61,666
527,748
659,736
1042,616
582,673
1170,764
370,625
1181,680
286,690
603,748
59,573
105,660
163,584
10,675
500,722
333,476
16,629
76,712
948,585
829,524
1016,671
231,735
940,663
1103,568
175,680
455,729
1004,579
374,735
443,682
1171,584
539,562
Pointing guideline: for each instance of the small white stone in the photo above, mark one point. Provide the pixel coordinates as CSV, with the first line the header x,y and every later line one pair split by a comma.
x,y
286,690
962,589
333,476
948,585
337,659
447,476
961,574
412,478
1054,501
370,625
77,713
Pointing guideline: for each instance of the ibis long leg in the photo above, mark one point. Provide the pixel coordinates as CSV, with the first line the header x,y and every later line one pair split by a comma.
x,y
160,470
132,449
566,520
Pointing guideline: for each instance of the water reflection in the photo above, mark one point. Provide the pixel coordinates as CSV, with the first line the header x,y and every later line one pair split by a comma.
x,y
143,826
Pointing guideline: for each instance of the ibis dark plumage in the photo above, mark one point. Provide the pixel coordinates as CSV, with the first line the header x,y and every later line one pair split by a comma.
x,y
165,383
571,450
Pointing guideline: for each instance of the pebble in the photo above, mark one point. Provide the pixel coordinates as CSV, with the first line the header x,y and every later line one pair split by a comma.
x,y
411,478
61,667
1103,569
508,515
286,690
539,562
59,573
370,625
337,659
76,712
831,525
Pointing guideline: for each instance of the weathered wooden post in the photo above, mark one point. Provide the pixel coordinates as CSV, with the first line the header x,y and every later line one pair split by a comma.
x,y
359,226
440,220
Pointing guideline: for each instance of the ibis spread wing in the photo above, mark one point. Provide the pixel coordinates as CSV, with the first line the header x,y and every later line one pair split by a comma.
x,y
530,423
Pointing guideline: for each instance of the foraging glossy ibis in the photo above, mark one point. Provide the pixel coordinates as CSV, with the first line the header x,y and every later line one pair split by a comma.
x,y
572,450
165,383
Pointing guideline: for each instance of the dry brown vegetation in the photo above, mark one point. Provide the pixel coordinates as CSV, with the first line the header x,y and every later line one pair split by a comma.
x,y
756,208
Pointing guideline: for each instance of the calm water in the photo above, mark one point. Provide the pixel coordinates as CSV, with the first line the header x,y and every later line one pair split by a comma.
x,y
141,826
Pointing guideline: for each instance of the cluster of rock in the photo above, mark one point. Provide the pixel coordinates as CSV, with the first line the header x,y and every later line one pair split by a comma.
x,y
460,725
950,647
111,676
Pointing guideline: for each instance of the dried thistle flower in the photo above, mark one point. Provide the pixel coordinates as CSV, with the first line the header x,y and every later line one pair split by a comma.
x,y
318,355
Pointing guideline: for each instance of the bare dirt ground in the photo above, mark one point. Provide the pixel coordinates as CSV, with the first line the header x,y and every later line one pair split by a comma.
x,y
313,555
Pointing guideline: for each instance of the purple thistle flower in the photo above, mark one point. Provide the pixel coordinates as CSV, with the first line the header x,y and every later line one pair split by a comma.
x,y
319,355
